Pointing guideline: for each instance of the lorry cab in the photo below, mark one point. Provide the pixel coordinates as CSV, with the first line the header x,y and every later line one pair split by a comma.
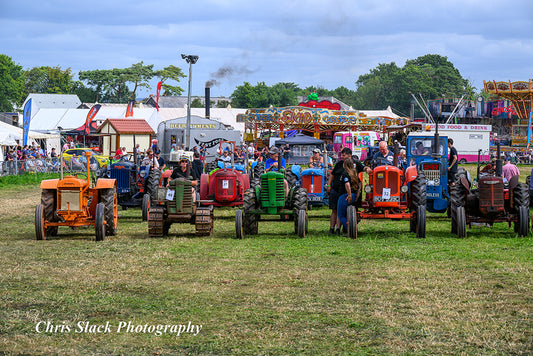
x,y
433,163
358,142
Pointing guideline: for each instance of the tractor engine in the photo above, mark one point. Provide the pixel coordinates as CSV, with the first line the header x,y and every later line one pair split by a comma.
x,y
491,195
386,184
226,186
272,191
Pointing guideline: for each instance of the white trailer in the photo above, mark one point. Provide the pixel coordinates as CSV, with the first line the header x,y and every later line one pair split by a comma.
x,y
467,139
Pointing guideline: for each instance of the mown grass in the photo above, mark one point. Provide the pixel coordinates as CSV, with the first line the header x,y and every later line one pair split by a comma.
x,y
384,293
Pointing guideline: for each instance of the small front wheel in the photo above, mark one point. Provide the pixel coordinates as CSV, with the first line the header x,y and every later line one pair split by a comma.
x,y
239,233
99,225
352,222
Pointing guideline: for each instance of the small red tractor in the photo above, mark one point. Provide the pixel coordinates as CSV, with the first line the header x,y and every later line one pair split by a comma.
x,y
224,186
72,202
493,200
392,193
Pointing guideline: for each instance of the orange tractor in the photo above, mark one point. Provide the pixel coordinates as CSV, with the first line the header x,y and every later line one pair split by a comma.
x,y
71,201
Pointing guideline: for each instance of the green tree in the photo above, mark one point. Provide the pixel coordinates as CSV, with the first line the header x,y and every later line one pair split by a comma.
x,y
139,75
11,84
86,95
222,104
170,73
48,80
99,79
197,103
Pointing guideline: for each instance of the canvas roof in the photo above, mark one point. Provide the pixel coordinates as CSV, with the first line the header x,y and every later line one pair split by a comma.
x,y
129,126
16,132
300,139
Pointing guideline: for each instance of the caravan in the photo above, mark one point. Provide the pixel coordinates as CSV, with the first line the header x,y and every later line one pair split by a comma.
x,y
358,142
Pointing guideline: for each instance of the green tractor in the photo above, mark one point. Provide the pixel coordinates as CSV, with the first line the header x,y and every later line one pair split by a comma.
x,y
175,205
268,198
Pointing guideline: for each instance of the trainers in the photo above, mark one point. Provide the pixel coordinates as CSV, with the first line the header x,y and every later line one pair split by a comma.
x,y
331,231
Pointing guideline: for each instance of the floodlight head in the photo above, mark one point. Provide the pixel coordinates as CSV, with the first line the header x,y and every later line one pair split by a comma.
x,y
190,58
183,56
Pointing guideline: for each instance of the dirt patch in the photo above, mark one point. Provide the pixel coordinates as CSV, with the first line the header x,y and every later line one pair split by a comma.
x,y
19,202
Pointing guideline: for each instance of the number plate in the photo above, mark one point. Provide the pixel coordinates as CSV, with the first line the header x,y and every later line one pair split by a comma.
x,y
314,198
225,184
386,194
170,194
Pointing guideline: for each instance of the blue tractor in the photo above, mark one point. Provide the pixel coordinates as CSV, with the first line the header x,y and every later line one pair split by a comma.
x,y
135,185
431,158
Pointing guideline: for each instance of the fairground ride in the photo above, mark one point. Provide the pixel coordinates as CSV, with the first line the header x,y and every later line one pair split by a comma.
x,y
520,93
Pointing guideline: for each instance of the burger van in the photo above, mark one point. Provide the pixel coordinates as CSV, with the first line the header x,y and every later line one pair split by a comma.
x,y
467,139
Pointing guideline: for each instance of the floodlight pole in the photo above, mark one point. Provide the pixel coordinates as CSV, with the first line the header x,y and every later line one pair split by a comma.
x,y
191,59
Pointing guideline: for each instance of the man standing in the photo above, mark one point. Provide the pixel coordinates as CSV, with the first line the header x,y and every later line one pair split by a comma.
x,y
286,152
509,170
452,162
197,166
160,161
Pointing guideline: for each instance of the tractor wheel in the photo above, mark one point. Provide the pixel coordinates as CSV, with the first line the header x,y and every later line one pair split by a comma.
x,y
258,169
145,206
152,182
39,223
457,196
255,182
520,196
239,233
291,178
251,221
418,191
352,222
99,225
453,217
108,198
461,221
421,222
528,183
523,221
48,201
302,223
299,199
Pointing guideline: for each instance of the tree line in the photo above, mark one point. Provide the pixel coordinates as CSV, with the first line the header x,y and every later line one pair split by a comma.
x,y
431,75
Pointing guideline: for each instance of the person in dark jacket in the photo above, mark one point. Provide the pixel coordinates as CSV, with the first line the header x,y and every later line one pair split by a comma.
x,y
197,166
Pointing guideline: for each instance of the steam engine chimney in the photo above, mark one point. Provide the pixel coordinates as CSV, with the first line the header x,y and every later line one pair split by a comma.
x,y
207,102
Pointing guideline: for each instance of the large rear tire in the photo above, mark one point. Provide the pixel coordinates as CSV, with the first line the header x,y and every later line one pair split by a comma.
x,y
520,196
418,191
109,199
461,221
291,178
352,222
145,206
152,182
99,225
39,223
239,233
48,201
299,199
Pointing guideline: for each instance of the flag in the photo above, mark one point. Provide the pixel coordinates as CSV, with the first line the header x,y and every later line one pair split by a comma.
x,y
90,116
129,110
157,99
26,122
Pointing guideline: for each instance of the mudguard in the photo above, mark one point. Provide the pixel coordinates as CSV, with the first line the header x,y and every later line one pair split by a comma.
x,y
49,184
297,170
410,174
105,183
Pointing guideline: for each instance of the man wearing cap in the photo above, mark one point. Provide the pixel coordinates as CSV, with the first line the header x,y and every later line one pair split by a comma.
x,y
271,164
316,160
160,160
452,162
509,170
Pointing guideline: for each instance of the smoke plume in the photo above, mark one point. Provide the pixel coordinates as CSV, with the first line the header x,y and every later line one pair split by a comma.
x,y
226,72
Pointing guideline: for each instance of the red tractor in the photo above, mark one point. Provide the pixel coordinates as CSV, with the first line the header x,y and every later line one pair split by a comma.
x,y
392,193
224,186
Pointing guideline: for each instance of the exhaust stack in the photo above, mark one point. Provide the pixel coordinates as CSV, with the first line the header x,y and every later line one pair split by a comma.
x,y
207,102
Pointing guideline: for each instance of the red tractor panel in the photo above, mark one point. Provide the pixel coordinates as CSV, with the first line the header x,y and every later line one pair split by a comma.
x,y
312,183
224,187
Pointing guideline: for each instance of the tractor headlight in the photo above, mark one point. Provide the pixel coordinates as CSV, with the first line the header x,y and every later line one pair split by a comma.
x,y
404,189
368,188
142,173
437,181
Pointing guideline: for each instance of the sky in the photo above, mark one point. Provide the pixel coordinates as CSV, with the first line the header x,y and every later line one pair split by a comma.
x,y
310,43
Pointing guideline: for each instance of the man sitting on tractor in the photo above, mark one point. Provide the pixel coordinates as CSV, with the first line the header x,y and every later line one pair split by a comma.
x,y
316,160
271,164
383,157
184,171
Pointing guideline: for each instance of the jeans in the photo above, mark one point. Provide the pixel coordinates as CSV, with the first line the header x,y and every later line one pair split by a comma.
x,y
342,208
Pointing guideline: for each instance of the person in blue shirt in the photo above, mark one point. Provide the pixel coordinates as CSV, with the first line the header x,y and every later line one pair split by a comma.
x,y
383,157
271,163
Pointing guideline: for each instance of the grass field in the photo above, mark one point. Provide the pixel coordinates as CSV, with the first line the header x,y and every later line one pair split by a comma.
x,y
384,293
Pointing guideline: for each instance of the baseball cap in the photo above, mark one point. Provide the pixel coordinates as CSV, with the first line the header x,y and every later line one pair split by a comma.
x,y
316,150
273,150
